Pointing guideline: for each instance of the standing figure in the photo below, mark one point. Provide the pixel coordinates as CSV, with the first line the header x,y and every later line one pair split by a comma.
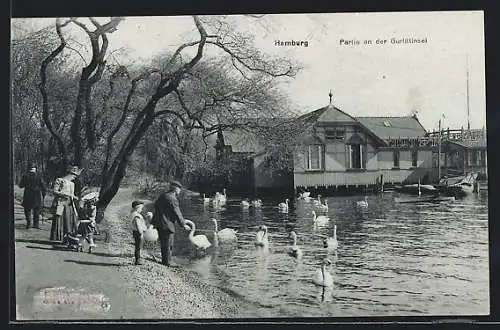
x,y
167,213
64,209
34,192
138,229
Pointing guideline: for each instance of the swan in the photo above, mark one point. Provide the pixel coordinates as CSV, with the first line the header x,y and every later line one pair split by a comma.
x,y
200,241
226,235
283,206
305,194
331,242
322,276
319,218
363,203
317,201
294,250
261,238
257,203
245,204
206,200
223,197
322,207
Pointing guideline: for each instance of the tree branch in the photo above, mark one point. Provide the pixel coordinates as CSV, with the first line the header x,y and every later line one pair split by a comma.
x,y
43,89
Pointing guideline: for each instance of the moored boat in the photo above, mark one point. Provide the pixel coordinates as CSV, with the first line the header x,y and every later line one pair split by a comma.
x,y
457,186
425,189
423,199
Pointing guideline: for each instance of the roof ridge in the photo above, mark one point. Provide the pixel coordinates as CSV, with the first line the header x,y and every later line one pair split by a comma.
x,y
384,117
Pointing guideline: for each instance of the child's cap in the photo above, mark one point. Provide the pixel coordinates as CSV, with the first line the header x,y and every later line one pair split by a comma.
x,y
135,203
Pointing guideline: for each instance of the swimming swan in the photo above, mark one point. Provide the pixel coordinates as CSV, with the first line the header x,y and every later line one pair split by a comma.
x,y
200,241
222,197
261,238
257,203
206,200
317,201
363,203
226,235
283,206
322,276
331,243
322,207
245,204
319,218
294,250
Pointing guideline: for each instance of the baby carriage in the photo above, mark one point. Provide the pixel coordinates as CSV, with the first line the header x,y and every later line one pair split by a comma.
x,y
86,225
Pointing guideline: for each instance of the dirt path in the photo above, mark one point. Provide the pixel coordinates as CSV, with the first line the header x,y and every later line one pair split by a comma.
x,y
53,283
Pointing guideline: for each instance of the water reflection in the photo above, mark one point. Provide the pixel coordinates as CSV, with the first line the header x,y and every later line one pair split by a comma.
x,y
392,259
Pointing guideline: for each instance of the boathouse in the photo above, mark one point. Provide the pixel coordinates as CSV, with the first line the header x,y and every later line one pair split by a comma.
x,y
339,151
464,151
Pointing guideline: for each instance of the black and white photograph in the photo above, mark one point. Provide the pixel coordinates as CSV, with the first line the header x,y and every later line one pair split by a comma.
x,y
249,166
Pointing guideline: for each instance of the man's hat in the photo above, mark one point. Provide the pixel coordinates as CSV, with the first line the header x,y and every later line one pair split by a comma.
x,y
175,184
135,203
75,170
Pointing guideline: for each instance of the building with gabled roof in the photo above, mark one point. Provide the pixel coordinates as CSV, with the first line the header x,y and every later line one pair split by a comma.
x,y
336,151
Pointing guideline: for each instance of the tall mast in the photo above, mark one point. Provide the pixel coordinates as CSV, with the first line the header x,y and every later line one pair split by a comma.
x,y
468,110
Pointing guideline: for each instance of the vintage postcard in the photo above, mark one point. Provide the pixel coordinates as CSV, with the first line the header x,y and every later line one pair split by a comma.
x,y
250,166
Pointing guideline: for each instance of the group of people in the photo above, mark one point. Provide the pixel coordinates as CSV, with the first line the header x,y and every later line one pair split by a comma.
x,y
66,212
166,215
65,209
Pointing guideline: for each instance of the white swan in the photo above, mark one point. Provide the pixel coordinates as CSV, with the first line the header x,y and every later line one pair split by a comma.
x,y
305,194
245,204
322,207
294,250
317,201
283,206
261,238
319,218
206,200
200,241
331,243
363,203
226,235
257,203
222,197
322,276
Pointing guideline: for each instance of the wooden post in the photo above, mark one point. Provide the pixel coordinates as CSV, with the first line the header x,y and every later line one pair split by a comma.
x,y
439,151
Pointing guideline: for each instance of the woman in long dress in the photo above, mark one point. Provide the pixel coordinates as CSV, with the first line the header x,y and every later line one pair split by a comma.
x,y
65,218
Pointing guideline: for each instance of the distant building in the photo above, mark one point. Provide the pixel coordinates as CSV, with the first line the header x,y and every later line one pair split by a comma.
x,y
335,151
341,151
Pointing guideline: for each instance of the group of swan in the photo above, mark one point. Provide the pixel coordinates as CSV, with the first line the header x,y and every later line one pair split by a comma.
x,y
218,200
226,235
256,203
322,277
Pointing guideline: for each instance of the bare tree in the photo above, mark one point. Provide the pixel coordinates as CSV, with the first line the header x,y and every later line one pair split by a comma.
x,y
152,93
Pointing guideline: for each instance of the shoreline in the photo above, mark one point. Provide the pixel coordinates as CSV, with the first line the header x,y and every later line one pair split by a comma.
x,y
148,291
205,300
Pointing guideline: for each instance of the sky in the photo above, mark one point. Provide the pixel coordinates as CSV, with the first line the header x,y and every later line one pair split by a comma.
x,y
365,79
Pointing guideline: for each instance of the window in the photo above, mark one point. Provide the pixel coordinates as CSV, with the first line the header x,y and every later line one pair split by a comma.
x,y
474,157
479,158
395,157
414,157
335,133
355,156
315,157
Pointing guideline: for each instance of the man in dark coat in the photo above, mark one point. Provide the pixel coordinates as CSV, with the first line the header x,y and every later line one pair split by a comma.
x,y
34,192
167,213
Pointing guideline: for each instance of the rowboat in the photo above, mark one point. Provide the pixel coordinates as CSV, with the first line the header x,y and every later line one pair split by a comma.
x,y
425,189
457,186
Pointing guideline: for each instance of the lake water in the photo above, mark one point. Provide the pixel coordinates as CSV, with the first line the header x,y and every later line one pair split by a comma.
x,y
392,260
